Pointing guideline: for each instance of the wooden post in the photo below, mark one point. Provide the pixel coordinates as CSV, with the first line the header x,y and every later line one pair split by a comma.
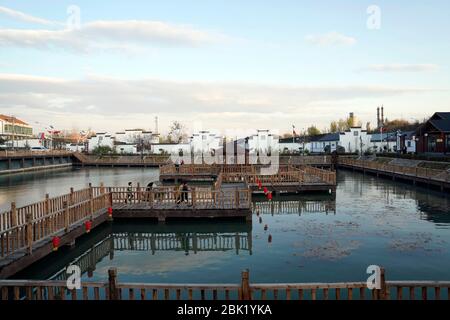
x,y
29,228
71,202
245,292
112,284
152,197
236,195
14,218
66,216
91,201
384,294
138,192
193,198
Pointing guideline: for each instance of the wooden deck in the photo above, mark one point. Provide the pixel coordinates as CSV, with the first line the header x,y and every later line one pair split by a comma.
x,y
429,177
288,179
26,233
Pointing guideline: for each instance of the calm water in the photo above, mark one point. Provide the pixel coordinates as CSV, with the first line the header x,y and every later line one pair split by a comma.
x,y
371,221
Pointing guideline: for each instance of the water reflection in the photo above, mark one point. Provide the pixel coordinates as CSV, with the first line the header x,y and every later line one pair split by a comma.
x,y
188,238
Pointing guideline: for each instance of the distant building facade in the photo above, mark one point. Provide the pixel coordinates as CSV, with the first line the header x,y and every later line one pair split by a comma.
x,y
434,135
13,129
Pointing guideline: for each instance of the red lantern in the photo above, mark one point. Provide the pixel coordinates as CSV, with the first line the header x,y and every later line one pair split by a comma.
x,y
56,241
259,185
88,226
269,196
110,211
265,190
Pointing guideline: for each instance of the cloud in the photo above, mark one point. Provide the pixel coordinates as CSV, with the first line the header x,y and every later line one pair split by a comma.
x,y
401,68
330,39
25,17
104,102
110,34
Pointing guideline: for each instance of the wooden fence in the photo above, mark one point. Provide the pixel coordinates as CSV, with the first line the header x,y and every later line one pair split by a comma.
x,y
245,290
167,197
21,227
417,172
285,174
21,154
122,160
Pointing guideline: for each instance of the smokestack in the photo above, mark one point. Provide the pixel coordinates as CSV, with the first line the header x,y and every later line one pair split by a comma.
x,y
378,118
382,116
352,119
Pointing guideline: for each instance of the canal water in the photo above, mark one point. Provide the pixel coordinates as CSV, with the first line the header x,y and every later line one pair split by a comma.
x,y
404,228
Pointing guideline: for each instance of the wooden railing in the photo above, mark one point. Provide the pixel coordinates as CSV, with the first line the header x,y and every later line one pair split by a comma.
x,y
285,174
294,207
312,174
418,172
21,227
189,169
196,197
245,290
307,160
122,159
49,153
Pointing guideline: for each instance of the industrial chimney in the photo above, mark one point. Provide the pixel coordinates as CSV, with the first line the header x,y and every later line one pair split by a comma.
x,y
352,119
382,116
378,118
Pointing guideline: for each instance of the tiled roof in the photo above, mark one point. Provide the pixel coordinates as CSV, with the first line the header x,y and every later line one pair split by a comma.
x,y
12,119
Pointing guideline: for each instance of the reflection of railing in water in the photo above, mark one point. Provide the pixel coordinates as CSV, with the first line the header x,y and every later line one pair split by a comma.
x,y
183,242
294,207
88,260
153,242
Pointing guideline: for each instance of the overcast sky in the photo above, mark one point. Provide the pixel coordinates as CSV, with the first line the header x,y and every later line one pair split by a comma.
x,y
224,64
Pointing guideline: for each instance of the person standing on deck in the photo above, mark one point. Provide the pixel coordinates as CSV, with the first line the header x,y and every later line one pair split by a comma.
x,y
129,192
177,166
178,194
184,192
148,190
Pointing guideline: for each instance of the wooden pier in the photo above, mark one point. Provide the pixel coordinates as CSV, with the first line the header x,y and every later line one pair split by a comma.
x,y
287,179
439,179
26,233
112,161
113,289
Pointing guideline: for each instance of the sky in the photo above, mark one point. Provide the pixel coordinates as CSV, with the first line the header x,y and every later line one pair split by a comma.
x,y
221,65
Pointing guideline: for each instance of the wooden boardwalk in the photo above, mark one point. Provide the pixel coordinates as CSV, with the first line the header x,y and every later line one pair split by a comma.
x,y
417,175
287,179
243,289
27,233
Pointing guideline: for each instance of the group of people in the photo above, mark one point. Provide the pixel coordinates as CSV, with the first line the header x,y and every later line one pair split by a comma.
x,y
181,192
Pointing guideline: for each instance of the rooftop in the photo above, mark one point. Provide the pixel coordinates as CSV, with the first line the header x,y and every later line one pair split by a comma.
x,y
12,119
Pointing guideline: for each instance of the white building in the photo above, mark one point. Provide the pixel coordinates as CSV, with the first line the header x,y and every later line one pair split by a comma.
x,y
15,129
73,147
352,140
171,148
324,143
124,148
290,145
263,142
100,140
205,141
355,140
